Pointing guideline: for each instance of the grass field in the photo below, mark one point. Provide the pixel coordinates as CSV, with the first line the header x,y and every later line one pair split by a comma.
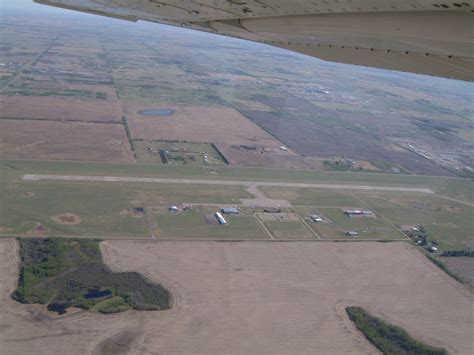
x,y
289,230
461,189
200,223
103,209
98,208
312,197
448,222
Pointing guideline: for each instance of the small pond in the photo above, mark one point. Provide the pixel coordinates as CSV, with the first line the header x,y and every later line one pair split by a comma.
x,y
93,293
157,112
59,308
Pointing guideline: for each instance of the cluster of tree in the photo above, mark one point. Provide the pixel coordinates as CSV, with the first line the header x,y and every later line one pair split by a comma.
x,y
463,252
388,338
62,273
341,165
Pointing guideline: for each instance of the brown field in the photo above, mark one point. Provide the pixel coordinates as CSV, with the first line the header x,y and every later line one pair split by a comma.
x,y
462,266
54,108
25,139
196,124
271,157
67,219
251,298
310,138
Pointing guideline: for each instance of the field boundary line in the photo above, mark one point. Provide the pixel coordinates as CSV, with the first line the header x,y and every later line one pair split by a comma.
x,y
264,227
316,234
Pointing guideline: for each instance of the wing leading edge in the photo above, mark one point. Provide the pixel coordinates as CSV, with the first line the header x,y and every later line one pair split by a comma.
x,y
418,36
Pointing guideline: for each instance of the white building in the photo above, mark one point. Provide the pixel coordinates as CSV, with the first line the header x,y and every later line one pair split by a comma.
x,y
220,218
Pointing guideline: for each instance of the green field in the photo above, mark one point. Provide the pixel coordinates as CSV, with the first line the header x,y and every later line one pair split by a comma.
x,y
450,223
178,153
446,221
193,224
312,197
103,208
289,230
458,188
99,208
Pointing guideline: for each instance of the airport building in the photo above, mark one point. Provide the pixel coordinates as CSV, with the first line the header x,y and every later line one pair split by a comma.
x,y
230,210
220,218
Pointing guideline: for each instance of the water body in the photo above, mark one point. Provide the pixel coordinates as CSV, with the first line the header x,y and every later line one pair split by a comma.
x,y
157,112
59,308
97,293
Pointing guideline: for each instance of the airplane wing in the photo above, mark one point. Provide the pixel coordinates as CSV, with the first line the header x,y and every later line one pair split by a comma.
x,y
432,37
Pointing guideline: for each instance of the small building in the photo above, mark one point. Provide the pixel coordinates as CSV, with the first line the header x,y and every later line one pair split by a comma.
x,y
351,213
434,249
316,218
283,148
230,210
173,209
352,233
220,218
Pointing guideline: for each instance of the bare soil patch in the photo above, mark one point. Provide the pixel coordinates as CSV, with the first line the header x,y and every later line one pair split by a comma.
x,y
235,298
67,219
29,139
55,108
260,156
196,124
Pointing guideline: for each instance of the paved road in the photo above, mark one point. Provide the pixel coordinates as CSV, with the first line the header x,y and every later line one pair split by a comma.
x,y
250,184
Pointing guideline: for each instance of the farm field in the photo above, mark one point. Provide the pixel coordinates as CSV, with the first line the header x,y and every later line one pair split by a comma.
x,y
49,140
257,155
60,109
461,266
196,124
249,284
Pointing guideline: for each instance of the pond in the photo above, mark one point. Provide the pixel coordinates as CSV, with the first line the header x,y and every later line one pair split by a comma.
x,y
157,112
93,293
59,308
